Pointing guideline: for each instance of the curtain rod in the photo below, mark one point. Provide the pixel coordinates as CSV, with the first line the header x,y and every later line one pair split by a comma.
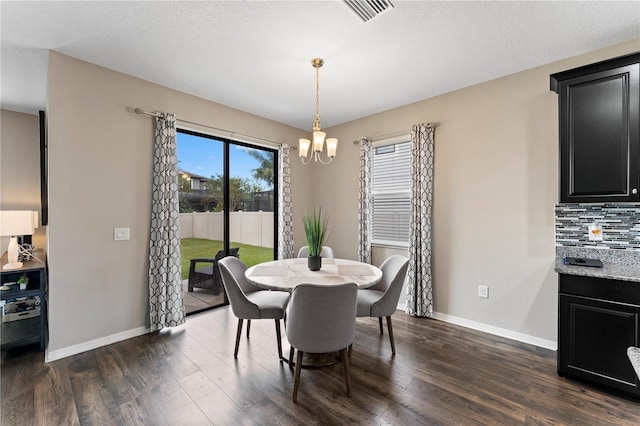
x,y
231,133
394,134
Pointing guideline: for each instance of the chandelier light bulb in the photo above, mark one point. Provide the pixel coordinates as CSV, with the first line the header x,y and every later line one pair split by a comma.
x,y
303,147
332,146
318,141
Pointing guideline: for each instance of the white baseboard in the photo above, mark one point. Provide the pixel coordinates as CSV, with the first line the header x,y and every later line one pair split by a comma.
x,y
502,332
94,344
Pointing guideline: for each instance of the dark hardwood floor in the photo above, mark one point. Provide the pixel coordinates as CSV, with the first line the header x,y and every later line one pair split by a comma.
x,y
442,374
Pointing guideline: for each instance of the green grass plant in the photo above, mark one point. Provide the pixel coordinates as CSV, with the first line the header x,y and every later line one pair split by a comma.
x,y
315,229
192,248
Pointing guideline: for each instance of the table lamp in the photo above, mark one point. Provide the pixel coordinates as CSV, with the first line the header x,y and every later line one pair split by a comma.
x,y
14,223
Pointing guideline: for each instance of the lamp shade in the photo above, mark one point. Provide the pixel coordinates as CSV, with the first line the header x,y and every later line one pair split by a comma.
x,y
18,222
318,140
332,146
303,146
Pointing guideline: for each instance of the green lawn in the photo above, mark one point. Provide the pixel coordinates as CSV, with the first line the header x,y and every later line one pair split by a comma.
x,y
191,248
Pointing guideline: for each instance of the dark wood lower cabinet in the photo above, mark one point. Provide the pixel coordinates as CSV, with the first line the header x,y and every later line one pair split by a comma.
x,y
598,321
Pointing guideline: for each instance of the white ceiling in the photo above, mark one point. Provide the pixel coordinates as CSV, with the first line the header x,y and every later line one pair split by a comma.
x,y
255,55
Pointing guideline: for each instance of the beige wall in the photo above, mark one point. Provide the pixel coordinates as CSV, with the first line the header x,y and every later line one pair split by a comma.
x,y
99,178
20,168
496,185
496,161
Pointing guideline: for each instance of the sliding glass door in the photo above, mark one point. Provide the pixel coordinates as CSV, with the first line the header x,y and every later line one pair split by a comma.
x,y
252,202
227,207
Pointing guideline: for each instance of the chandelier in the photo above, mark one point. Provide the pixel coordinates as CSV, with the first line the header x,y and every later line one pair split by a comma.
x,y
318,136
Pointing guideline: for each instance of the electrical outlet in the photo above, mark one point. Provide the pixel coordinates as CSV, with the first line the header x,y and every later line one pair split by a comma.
x,y
483,291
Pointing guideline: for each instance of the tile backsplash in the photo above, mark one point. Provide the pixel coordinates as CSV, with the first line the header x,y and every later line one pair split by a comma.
x,y
620,225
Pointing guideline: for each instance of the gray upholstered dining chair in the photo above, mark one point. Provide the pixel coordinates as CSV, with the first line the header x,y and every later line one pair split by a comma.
x,y
326,252
321,319
248,301
381,300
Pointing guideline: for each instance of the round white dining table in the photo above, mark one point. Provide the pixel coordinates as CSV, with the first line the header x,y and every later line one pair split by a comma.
x,y
285,274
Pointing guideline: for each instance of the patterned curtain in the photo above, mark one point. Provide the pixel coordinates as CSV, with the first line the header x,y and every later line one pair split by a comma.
x,y
419,288
166,306
364,202
285,220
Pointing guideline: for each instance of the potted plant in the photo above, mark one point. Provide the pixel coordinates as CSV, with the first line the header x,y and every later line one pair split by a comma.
x,y
315,228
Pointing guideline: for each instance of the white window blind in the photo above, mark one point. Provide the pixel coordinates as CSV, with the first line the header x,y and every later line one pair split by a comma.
x,y
391,193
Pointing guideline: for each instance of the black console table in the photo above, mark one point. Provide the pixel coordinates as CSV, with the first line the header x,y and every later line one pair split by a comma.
x,y
27,324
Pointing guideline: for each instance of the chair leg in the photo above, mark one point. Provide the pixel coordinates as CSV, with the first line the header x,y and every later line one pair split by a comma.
x,y
350,349
248,327
238,334
291,357
296,379
393,344
347,369
279,337
380,322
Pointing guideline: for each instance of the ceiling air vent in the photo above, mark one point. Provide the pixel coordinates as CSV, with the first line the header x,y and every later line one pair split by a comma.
x,y
368,9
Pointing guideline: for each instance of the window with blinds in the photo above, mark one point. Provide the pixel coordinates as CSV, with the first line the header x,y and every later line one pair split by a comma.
x,y
391,194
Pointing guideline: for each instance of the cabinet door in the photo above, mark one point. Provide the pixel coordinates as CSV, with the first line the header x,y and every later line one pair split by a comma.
x,y
593,339
599,138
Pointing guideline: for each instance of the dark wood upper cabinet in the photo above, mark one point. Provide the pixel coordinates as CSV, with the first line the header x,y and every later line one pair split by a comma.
x,y
599,112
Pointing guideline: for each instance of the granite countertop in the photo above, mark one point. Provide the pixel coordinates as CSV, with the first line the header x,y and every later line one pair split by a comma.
x,y
618,264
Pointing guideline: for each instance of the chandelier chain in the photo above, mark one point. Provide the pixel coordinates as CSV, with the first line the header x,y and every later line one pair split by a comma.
x,y
316,123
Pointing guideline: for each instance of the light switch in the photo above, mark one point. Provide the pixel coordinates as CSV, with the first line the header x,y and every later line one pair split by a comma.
x,y
120,234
